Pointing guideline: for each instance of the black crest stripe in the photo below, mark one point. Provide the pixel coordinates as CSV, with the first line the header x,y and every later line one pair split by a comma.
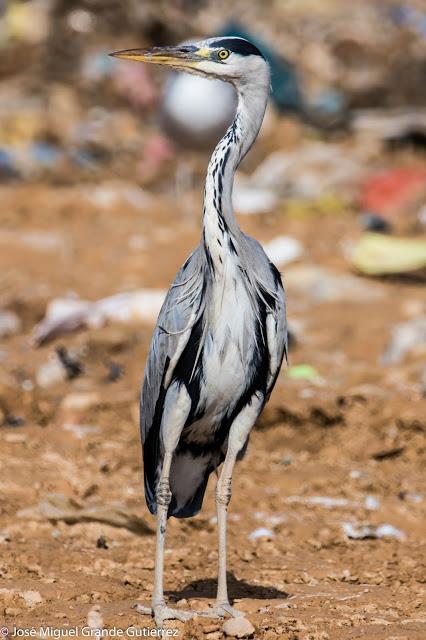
x,y
238,45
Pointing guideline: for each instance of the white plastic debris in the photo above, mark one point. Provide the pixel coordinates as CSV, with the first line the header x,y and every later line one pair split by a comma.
x,y
262,532
323,285
365,532
80,430
309,172
322,501
50,373
406,337
94,619
282,250
64,315
39,240
371,503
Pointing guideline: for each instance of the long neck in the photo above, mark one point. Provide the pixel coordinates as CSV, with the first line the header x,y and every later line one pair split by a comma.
x,y
220,229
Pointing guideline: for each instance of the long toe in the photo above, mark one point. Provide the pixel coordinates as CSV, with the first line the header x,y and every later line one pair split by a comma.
x,y
162,612
224,609
144,611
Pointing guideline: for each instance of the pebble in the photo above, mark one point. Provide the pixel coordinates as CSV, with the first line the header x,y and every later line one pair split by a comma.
x,y
238,628
10,324
215,635
31,597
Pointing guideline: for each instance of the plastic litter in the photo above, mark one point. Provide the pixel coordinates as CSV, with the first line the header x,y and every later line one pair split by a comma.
x,y
65,315
370,532
283,250
406,338
377,254
262,532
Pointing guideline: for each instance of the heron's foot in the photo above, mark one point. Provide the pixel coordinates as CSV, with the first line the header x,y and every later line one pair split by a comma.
x,y
162,612
224,609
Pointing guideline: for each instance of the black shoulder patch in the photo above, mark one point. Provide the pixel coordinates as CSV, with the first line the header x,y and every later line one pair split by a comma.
x,y
238,45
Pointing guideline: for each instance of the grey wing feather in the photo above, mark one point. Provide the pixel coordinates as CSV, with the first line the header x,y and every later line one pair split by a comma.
x,y
269,280
180,311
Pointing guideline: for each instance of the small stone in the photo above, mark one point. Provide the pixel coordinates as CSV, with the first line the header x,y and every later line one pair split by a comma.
x,y
216,635
31,597
101,543
238,628
181,604
10,324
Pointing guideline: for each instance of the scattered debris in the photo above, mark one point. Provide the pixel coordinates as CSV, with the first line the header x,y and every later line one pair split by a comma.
x,y
101,543
80,430
309,172
322,285
10,324
303,372
283,250
14,421
94,619
58,506
388,453
115,372
322,501
50,373
71,365
262,532
65,315
374,222
371,503
370,532
81,401
406,338
376,254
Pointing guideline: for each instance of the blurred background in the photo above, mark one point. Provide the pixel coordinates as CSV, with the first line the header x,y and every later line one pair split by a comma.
x,y
102,166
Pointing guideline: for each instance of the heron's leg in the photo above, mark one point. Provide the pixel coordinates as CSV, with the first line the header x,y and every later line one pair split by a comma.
x,y
238,435
176,409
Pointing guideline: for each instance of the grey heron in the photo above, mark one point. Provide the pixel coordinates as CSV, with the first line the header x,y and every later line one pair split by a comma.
x,y
221,334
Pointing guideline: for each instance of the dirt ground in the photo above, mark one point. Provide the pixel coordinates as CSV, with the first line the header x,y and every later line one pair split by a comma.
x,y
345,447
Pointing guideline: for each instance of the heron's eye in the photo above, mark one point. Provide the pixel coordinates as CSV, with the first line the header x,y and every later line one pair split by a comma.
x,y
223,54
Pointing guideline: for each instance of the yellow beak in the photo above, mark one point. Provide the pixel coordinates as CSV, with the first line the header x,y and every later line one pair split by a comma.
x,y
180,56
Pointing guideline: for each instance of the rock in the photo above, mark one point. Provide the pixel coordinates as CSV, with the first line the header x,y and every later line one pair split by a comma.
x,y
215,635
238,628
10,324
31,597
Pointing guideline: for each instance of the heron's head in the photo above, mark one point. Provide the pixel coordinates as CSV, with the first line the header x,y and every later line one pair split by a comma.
x,y
231,59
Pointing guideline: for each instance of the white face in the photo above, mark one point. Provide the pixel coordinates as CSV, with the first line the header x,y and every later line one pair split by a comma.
x,y
221,62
